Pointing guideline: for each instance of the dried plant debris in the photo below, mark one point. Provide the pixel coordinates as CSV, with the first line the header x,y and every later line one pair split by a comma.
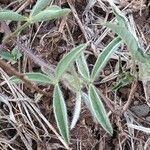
x,y
74,74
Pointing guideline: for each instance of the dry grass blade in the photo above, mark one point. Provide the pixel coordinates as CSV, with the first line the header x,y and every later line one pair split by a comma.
x,y
29,84
140,128
27,120
78,20
28,112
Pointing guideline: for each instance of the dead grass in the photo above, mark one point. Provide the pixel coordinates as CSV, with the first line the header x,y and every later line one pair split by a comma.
x,y
26,118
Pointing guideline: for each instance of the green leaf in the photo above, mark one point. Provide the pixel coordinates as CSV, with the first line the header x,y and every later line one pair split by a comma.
x,y
119,14
68,59
6,56
11,15
77,110
36,77
104,56
86,100
49,14
60,113
123,31
126,79
99,110
83,67
16,54
11,57
39,6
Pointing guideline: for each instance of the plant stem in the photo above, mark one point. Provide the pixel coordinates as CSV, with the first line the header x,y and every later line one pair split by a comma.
x,y
10,70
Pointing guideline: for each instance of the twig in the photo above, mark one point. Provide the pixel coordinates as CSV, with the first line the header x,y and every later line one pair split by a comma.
x,y
9,69
133,89
77,19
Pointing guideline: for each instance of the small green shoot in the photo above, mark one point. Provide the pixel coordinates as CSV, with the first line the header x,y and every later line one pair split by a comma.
x,y
73,71
12,56
141,59
75,80
39,13
126,79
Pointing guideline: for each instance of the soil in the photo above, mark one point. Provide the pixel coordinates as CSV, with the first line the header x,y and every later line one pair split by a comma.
x,y
50,44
